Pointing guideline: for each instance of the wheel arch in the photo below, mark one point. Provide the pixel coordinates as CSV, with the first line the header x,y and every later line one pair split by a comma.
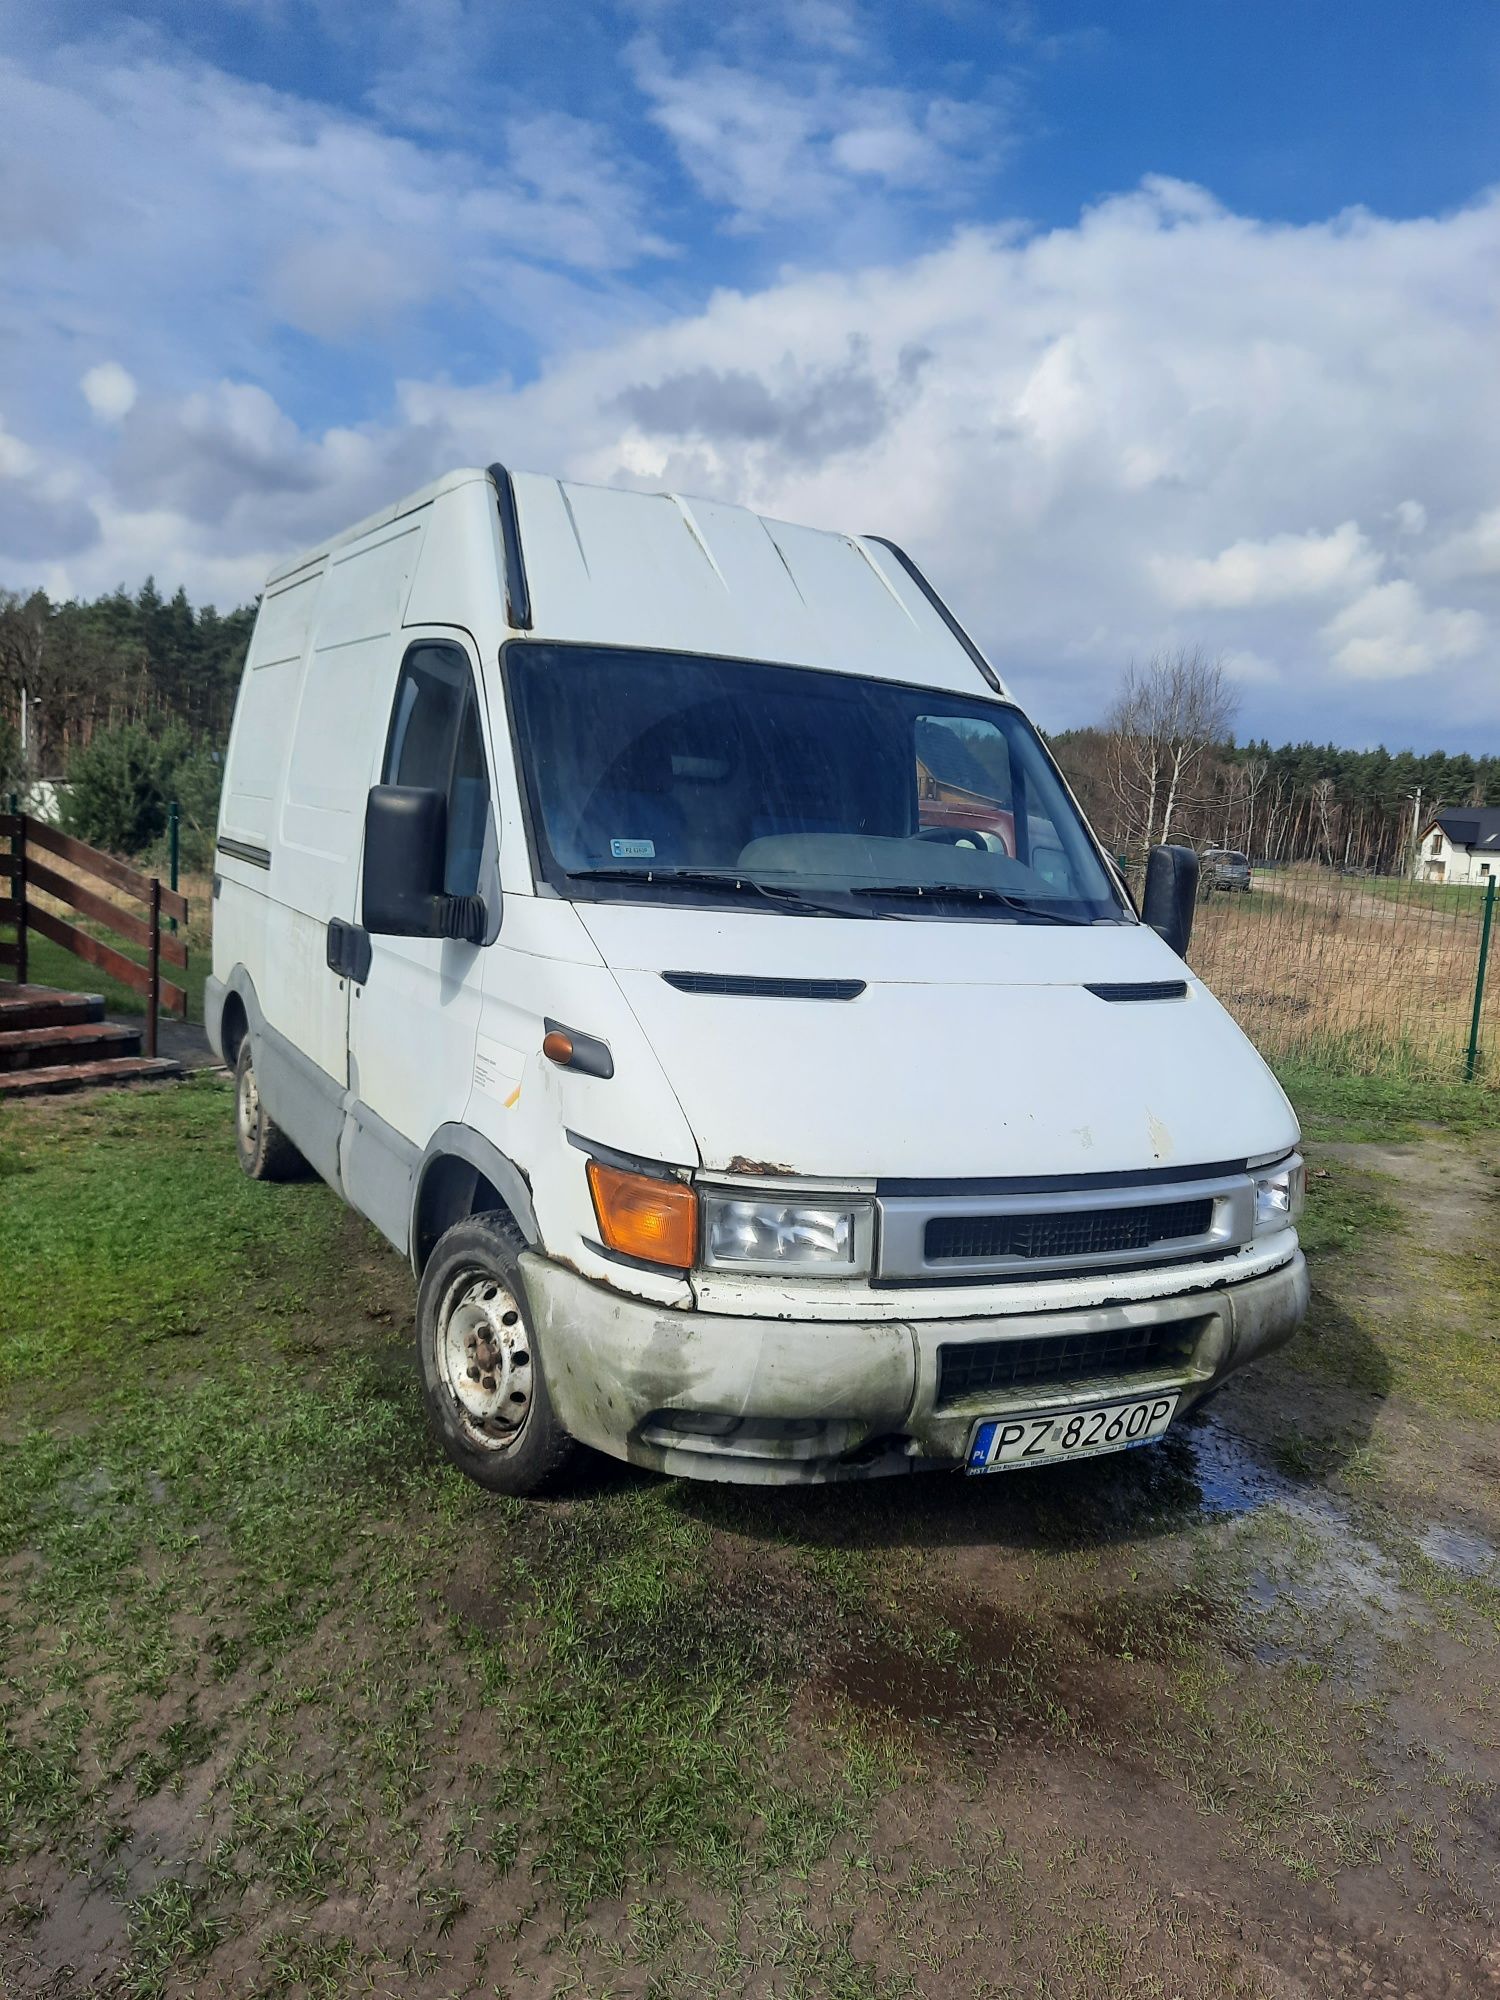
x,y
462,1174
234,1025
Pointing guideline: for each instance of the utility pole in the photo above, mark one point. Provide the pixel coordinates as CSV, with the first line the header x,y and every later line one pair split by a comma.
x,y
1416,831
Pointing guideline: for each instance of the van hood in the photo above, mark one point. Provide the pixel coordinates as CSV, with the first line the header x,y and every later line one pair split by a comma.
x,y
974,1049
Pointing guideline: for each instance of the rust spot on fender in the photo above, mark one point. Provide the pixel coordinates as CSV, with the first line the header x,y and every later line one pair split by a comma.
x,y
765,1168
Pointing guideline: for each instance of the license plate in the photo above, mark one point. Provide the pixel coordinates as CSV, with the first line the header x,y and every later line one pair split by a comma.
x,y
1000,1443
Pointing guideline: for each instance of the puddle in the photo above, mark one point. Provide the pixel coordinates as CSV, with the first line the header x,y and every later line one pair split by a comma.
x,y
1461,1549
1344,1570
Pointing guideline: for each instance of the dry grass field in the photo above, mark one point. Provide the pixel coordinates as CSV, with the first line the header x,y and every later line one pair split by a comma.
x,y
1369,976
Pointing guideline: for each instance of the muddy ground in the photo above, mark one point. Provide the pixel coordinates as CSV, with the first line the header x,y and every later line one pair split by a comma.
x,y
291,1709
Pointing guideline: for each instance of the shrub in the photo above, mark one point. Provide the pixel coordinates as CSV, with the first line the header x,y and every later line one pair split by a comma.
x,y
122,781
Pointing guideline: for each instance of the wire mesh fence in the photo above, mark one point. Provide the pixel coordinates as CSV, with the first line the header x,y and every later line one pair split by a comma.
x,y
1369,975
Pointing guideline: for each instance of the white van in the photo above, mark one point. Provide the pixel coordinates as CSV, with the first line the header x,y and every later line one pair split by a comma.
x,y
663,925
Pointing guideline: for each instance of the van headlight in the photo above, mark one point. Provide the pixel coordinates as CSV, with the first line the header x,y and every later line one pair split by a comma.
x,y
812,1239
1279,1195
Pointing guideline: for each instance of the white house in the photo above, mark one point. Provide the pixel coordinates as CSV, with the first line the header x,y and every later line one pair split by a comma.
x,y
1460,846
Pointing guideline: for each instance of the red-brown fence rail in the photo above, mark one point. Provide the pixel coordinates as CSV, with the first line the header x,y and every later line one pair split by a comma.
x,y
34,847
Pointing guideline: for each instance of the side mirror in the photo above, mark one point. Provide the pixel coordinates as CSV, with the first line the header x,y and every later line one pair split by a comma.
x,y
406,838
1171,893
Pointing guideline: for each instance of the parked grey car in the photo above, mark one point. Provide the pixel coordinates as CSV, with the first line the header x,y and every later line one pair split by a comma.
x,y
1224,868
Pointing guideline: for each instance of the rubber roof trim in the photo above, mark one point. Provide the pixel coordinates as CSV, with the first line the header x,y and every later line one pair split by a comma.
x,y
517,591
940,608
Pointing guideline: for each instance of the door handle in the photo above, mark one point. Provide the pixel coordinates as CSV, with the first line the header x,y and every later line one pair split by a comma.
x,y
349,950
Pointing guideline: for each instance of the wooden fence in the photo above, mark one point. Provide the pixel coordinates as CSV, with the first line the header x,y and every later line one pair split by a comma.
x,y
34,849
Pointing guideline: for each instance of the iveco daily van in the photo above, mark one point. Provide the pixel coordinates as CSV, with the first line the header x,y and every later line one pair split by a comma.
x,y
663,925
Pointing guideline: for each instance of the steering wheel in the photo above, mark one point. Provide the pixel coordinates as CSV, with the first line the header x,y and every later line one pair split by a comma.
x,y
956,836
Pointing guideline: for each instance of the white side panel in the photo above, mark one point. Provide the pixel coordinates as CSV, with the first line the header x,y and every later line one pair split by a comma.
x,y
367,585
263,713
341,710
340,734
458,576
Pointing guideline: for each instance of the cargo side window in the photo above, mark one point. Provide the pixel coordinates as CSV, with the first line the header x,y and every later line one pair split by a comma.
x,y
435,744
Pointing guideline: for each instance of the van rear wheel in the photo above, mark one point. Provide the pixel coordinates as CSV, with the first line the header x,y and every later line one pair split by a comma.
x,y
265,1152
482,1372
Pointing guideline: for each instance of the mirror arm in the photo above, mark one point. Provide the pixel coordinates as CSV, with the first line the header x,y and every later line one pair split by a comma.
x,y
461,917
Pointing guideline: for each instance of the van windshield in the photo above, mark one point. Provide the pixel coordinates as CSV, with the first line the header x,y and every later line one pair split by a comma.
x,y
706,779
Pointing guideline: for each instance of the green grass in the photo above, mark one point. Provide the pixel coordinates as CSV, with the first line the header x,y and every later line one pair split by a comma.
x,y
1423,895
379,1730
1333,1105
1343,1204
48,964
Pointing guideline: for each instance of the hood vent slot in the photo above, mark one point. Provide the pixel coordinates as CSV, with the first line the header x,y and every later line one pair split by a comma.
x,y
1142,989
742,986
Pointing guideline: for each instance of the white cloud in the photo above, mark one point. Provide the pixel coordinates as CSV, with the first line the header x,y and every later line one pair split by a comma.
x,y
42,512
1164,424
1279,570
17,459
796,142
109,390
183,213
1388,633
1061,425
1472,551
1249,669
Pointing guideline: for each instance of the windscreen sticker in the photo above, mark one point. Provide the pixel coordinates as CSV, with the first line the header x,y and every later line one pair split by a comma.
x,y
633,850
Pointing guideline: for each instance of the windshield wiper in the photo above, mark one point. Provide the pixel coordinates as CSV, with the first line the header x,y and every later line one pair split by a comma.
x,y
797,900
965,892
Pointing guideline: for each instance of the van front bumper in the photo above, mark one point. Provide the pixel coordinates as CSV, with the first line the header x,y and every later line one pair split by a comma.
x,y
711,1396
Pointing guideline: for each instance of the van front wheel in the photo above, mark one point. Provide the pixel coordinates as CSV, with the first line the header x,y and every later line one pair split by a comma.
x,y
481,1370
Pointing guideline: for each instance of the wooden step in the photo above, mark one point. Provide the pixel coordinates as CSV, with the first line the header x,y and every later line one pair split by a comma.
x,y
87,1075
46,1007
74,1042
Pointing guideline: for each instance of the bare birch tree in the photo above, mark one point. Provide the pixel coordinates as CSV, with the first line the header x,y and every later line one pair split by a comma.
x,y
1166,718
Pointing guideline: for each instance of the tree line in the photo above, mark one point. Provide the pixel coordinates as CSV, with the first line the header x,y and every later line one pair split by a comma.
x,y
126,698
1165,765
129,699
105,663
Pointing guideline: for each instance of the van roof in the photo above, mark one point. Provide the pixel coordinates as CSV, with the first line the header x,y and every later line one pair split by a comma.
x,y
620,567
463,476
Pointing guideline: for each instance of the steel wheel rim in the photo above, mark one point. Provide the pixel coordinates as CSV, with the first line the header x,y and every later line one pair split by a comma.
x,y
247,1105
485,1361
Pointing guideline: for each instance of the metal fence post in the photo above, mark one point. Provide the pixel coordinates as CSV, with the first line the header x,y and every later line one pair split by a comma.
x,y
173,835
18,884
153,967
1471,1061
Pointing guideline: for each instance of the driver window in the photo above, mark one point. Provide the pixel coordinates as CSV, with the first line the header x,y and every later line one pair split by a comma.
x,y
435,744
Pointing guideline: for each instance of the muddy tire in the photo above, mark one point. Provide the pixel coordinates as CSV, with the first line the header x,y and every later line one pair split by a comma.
x,y
482,1372
265,1152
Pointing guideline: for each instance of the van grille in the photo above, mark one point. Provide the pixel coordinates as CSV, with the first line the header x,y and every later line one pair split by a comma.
x,y
977,1367
1079,1232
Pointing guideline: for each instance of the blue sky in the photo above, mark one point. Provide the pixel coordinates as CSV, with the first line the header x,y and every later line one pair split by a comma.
x,y
1143,325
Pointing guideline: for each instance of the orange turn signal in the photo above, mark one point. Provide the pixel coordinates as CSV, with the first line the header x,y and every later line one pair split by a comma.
x,y
558,1047
654,1220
